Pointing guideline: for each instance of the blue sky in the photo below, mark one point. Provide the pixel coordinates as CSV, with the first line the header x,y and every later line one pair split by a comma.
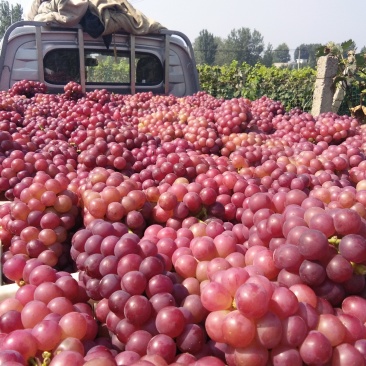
x,y
279,21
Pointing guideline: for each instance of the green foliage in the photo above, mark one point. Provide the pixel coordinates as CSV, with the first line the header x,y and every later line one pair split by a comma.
x,y
351,74
205,48
109,71
294,88
307,52
241,45
222,81
282,53
268,55
336,49
9,15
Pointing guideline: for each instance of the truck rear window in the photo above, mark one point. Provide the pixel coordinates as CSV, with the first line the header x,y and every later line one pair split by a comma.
x,y
61,66
101,67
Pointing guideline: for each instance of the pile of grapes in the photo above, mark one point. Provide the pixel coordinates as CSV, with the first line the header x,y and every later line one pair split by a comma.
x,y
154,230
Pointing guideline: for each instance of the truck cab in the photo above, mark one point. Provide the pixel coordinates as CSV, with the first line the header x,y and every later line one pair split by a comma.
x,y
162,63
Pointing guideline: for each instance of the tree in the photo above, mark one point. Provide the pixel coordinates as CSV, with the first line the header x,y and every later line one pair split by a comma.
x,y
243,45
222,56
282,53
9,15
307,52
267,59
205,47
256,47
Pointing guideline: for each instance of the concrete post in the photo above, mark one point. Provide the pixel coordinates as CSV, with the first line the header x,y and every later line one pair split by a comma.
x,y
323,93
338,98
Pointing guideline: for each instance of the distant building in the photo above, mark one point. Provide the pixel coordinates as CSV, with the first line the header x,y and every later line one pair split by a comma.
x,y
282,64
299,62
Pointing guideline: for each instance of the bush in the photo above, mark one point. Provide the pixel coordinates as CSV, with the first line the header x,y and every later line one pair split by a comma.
x,y
293,87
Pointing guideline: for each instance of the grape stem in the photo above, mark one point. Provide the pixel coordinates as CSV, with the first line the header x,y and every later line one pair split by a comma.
x,y
33,361
202,214
359,269
334,240
46,358
21,283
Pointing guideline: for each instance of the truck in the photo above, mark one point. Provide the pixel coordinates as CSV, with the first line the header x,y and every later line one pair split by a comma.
x,y
162,63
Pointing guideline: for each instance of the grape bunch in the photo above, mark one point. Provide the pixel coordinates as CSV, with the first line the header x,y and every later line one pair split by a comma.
x,y
37,224
335,129
263,110
49,318
140,300
232,116
29,88
73,91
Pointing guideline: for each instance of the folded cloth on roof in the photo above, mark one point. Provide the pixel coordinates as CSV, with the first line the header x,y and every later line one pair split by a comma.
x,y
58,12
114,15
118,15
